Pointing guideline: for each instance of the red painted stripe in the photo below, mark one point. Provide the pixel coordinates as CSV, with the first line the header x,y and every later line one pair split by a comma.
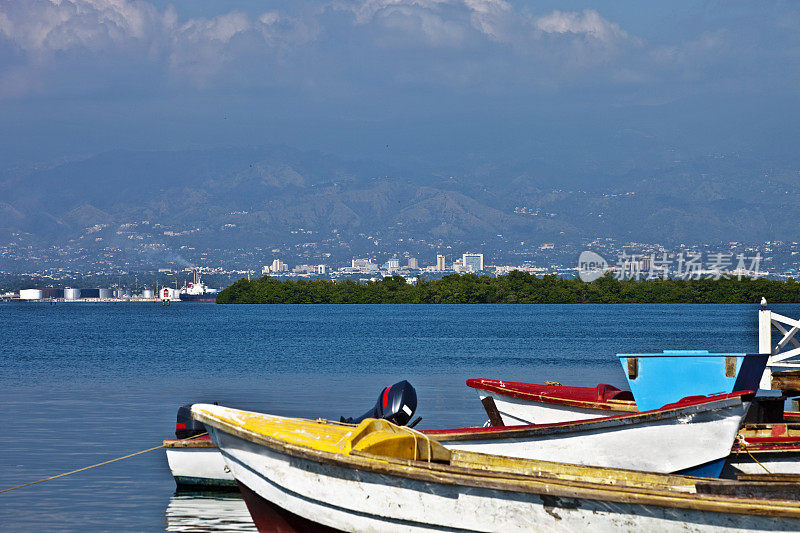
x,y
787,440
385,396
178,425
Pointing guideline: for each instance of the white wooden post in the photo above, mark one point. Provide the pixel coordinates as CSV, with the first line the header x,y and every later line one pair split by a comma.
x,y
765,345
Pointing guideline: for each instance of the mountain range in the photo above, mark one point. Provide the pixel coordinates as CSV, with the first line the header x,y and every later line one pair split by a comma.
x,y
277,198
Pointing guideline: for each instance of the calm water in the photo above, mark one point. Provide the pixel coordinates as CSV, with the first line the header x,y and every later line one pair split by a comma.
x,y
82,383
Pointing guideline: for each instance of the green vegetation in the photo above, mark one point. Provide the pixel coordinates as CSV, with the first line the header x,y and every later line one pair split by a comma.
x,y
516,287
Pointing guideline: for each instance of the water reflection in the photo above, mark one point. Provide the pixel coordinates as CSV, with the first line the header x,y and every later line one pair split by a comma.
x,y
208,511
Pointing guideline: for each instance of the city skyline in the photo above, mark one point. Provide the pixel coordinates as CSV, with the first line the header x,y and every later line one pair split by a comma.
x,y
161,135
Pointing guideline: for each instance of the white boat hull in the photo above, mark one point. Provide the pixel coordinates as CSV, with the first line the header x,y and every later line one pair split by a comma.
x,y
199,467
685,439
516,411
349,499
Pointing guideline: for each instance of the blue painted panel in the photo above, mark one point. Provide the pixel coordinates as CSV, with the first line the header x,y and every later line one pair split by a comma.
x,y
710,469
674,374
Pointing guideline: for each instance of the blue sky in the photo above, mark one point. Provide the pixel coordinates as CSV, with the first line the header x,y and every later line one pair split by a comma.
x,y
436,80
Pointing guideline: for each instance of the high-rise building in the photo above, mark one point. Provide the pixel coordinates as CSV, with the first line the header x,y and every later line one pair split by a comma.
x,y
322,269
472,262
278,266
440,262
412,262
393,264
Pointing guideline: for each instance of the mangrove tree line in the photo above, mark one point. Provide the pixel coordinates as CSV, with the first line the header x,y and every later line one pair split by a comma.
x,y
515,287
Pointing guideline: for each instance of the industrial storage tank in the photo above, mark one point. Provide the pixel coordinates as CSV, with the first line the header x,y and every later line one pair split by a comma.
x,y
105,293
30,294
72,294
147,293
50,292
122,293
90,293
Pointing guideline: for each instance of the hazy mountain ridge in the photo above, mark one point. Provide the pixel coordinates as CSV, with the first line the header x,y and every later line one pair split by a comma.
x,y
274,197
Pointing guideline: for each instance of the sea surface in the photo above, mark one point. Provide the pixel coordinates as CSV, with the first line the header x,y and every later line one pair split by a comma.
x,y
84,383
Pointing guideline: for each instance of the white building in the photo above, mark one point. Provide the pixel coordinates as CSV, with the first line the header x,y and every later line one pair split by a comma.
x,y
440,263
472,262
304,269
278,266
364,265
413,263
322,269
393,264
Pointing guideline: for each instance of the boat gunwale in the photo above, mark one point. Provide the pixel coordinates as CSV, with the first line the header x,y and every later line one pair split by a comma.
x,y
448,474
765,448
667,354
606,422
188,443
603,405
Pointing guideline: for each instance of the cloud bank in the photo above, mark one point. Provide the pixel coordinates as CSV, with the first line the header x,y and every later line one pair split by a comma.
x,y
132,41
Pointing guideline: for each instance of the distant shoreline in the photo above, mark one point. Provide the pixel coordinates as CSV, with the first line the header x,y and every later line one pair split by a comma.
x,y
513,288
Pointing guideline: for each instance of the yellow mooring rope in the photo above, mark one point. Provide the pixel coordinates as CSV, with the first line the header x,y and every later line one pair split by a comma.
x,y
93,466
741,442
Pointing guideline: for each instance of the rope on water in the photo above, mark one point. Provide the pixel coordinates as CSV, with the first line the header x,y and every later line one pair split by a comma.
x,y
93,466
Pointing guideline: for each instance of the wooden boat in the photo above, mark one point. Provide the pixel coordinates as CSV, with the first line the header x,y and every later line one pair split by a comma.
x,y
656,379
758,449
692,436
514,403
765,449
510,403
380,477
197,463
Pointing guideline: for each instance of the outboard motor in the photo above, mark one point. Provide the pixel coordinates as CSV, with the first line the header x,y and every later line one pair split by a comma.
x,y
185,425
396,404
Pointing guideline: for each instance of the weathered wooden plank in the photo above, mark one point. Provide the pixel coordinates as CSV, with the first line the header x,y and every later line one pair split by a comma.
x,y
491,410
786,380
772,490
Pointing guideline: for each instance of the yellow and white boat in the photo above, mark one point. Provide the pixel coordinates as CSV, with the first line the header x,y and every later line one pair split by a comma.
x,y
377,476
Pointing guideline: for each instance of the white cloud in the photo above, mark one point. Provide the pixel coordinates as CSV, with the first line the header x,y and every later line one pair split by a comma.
x,y
410,25
491,17
194,49
58,25
366,10
463,41
220,29
589,23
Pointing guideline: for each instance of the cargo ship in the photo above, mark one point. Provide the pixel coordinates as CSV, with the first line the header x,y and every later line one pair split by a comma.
x,y
196,291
